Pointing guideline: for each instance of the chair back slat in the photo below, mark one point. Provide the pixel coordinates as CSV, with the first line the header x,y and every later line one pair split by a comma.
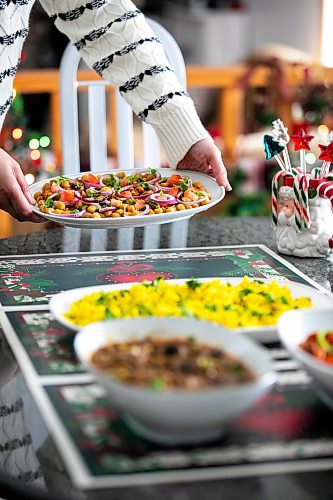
x,y
125,137
97,128
69,107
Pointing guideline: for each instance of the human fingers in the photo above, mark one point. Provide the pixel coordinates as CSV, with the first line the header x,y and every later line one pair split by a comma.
x,y
220,172
18,203
23,183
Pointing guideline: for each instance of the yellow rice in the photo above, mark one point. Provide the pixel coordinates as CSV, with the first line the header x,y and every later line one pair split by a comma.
x,y
248,304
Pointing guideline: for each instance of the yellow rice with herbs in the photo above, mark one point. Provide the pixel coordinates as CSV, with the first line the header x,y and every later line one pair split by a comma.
x,y
249,303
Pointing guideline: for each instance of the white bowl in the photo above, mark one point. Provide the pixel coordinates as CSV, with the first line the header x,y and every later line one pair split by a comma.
x,y
178,417
294,327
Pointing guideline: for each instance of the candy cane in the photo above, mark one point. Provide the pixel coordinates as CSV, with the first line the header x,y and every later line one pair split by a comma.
x,y
275,192
325,190
301,201
305,182
298,203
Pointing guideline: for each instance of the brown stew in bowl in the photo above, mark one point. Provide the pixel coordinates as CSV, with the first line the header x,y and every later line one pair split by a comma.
x,y
172,363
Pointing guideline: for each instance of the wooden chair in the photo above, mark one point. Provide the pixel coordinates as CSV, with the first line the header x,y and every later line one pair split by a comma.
x,y
69,86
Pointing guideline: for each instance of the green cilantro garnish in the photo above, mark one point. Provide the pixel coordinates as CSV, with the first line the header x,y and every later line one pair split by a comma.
x,y
184,184
108,314
49,203
193,284
144,311
210,307
131,201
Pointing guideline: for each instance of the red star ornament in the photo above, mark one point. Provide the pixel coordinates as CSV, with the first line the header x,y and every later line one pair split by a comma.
x,y
301,140
326,152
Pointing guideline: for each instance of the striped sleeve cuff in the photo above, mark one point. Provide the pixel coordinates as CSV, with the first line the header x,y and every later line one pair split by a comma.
x,y
179,131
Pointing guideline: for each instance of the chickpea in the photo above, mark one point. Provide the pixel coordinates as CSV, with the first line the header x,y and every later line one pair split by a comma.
x,y
96,215
115,214
116,203
195,205
205,202
131,209
180,206
158,211
151,212
84,178
120,175
60,205
65,185
91,209
38,195
170,209
120,211
79,205
107,214
197,184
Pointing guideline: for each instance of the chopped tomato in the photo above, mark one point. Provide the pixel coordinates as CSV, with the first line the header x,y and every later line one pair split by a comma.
x,y
123,182
139,204
67,196
54,187
126,194
174,179
92,179
173,191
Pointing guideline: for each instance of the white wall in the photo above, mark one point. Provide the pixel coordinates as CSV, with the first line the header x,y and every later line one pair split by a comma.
x,y
290,22
225,37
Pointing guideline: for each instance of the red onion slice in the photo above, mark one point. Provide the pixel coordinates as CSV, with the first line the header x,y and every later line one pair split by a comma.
x,y
107,176
107,209
145,211
151,181
168,199
125,188
199,200
78,214
91,184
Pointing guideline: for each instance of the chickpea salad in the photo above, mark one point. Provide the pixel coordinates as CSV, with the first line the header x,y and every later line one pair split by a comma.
x,y
117,195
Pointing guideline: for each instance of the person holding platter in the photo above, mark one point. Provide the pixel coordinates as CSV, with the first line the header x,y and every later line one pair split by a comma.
x,y
115,40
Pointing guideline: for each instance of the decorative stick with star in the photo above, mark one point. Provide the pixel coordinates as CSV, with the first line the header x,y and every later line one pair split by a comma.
x,y
280,135
301,141
273,150
326,155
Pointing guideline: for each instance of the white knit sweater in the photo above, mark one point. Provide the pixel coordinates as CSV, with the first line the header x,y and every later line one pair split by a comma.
x,y
115,40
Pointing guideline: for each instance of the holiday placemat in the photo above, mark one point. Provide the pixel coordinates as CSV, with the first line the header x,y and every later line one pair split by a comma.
x,y
289,429
97,447
31,280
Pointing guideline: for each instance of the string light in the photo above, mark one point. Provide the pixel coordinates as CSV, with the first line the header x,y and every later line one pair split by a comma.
x,y
310,158
44,141
34,144
30,178
17,133
323,130
35,154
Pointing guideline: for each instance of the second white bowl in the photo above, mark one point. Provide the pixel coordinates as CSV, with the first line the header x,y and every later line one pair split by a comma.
x,y
178,417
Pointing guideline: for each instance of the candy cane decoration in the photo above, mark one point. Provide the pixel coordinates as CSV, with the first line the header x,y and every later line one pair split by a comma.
x,y
305,182
298,203
325,190
275,192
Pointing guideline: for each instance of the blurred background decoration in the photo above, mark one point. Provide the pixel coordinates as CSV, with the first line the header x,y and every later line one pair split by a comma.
x,y
248,63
